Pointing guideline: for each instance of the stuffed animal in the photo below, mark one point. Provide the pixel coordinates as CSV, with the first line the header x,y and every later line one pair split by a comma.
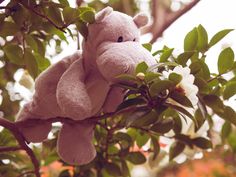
x,y
79,86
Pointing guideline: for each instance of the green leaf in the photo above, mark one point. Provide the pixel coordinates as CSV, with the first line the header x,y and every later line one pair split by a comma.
x,y
151,76
31,64
181,98
113,169
202,143
184,139
14,53
174,77
156,147
176,149
228,114
161,85
83,9
226,130
200,69
125,169
88,16
65,173
161,65
214,102
31,42
225,60
146,119
41,47
202,85
166,54
184,57
202,44
120,136
69,14
43,63
147,46
64,2
163,127
190,40
142,139
230,90
199,119
55,15
141,67
8,29
136,158
195,67
126,77
218,36
177,123
130,102
157,52
232,141
82,28
181,110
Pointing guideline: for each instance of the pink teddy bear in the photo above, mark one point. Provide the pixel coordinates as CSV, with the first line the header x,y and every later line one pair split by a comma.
x,y
79,86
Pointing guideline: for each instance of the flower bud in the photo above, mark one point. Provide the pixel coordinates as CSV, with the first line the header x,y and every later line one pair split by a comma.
x,y
140,76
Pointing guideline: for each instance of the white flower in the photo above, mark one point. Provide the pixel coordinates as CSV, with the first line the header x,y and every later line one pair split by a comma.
x,y
186,85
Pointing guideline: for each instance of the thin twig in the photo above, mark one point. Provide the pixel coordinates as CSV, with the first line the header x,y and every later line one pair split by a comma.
x,y
32,9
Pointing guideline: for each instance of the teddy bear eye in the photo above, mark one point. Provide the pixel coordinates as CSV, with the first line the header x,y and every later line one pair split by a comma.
x,y
134,39
120,39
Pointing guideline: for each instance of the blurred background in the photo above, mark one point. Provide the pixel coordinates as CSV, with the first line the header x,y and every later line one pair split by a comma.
x,y
170,20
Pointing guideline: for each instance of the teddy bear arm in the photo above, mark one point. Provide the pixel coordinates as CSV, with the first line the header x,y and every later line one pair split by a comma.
x,y
113,99
72,96
44,103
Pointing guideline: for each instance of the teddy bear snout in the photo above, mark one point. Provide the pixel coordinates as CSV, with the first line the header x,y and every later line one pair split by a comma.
x,y
114,59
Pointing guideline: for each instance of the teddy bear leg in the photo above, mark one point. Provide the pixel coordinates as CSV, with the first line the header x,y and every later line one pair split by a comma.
x,y
32,131
74,145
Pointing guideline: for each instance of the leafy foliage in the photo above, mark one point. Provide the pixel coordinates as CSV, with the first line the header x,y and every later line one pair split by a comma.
x,y
154,107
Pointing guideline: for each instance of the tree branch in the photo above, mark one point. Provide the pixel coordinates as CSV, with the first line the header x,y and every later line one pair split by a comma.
x,y
32,9
26,173
4,7
11,126
7,149
164,17
1,1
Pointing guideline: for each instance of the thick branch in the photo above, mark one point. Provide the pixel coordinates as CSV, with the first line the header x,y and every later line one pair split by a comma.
x,y
163,18
4,7
32,9
11,126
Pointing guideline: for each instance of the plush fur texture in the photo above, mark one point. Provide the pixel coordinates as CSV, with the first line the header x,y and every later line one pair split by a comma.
x,y
79,86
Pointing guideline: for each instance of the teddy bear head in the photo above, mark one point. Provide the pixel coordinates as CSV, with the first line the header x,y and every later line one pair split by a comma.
x,y
112,45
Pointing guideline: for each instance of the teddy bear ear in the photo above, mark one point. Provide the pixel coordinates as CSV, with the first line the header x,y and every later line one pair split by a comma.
x,y
100,16
141,19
